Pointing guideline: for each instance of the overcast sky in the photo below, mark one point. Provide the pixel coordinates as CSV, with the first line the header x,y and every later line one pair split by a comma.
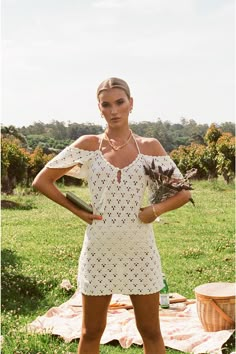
x,y
177,57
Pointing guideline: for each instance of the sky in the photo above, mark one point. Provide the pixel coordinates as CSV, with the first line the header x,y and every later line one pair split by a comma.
x,y
177,57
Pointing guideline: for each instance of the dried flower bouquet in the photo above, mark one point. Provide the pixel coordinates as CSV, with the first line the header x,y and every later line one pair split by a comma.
x,y
163,185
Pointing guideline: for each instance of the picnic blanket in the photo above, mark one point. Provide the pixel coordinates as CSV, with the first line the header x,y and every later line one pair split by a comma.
x,y
180,326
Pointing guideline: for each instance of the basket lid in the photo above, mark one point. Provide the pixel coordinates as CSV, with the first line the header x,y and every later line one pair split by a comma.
x,y
218,290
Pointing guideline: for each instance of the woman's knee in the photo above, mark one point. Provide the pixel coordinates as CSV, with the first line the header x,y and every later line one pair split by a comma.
x,y
93,331
149,331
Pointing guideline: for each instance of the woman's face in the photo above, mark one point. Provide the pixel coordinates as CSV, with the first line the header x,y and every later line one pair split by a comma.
x,y
115,106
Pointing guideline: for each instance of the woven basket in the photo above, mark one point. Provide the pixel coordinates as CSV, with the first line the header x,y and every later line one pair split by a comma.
x,y
216,306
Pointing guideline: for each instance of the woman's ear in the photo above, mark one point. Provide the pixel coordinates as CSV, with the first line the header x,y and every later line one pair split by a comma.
x,y
100,110
131,100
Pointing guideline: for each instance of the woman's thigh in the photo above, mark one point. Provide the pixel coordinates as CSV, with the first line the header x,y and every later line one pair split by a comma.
x,y
95,310
146,309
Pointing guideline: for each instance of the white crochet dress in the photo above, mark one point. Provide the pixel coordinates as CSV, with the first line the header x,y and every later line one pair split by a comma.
x,y
119,253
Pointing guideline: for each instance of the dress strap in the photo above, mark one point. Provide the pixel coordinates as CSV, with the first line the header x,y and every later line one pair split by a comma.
x,y
101,141
136,142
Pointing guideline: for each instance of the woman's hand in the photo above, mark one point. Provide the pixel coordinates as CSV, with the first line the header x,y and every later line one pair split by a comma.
x,y
87,217
45,183
146,215
150,213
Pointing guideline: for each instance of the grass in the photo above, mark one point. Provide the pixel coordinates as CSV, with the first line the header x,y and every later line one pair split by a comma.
x,y
41,245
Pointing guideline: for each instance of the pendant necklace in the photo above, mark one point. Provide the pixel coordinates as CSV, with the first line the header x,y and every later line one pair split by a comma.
x,y
116,148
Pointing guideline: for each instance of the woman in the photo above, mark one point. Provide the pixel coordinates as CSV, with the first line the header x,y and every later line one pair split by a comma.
x,y
119,253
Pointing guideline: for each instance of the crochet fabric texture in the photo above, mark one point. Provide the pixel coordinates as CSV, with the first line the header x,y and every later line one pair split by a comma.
x,y
119,253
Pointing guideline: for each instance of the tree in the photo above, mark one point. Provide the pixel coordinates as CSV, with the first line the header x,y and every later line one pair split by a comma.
x,y
12,132
36,128
75,130
228,127
57,130
212,134
211,137
14,163
226,156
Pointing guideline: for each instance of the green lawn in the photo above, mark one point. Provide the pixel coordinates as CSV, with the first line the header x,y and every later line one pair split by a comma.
x,y
41,243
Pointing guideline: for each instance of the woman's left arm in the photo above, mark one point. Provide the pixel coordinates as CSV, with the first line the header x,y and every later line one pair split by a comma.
x,y
150,213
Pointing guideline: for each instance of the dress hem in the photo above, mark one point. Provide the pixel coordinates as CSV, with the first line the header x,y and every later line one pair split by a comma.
x,y
121,293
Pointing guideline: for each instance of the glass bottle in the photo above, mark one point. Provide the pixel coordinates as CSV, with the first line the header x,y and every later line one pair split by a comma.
x,y
164,294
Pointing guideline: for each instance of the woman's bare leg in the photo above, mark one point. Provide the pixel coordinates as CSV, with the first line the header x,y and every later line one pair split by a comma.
x,y
94,322
146,309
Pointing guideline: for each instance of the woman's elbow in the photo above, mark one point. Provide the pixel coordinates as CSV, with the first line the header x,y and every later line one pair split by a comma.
x,y
39,180
186,196
36,182
44,179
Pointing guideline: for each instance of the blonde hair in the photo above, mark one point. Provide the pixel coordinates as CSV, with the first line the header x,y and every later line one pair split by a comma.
x,y
113,82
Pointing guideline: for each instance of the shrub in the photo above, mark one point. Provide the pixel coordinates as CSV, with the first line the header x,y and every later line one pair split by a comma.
x,y
14,164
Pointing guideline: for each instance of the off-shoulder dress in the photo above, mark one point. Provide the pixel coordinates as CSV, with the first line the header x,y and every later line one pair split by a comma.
x,y
119,253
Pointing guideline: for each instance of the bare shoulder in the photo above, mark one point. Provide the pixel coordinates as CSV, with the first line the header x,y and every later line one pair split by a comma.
x,y
87,142
150,146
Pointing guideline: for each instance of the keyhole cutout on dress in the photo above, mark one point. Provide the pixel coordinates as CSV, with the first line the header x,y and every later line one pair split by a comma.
x,y
118,176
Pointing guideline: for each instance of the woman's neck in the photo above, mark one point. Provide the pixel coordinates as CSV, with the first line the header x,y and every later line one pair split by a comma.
x,y
118,133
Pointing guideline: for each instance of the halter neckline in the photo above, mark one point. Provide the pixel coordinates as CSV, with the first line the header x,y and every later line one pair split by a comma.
x,y
100,145
116,167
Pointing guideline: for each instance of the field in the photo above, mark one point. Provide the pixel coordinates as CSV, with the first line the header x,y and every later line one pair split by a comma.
x,y
41,243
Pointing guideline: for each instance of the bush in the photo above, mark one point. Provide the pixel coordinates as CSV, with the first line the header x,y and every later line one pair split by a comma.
x,y
226,156
14,164
217,157
187,157
36,162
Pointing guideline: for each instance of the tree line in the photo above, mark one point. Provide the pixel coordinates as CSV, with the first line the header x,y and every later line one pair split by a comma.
x,y
210,149
57,135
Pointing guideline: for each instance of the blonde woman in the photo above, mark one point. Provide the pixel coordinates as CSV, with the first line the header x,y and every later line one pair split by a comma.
x,y
119,254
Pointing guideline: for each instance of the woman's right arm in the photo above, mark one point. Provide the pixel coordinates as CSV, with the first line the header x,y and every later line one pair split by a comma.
x,y
45,183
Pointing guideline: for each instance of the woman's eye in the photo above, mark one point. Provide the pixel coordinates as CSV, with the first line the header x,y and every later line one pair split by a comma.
x,y
105,104
120,102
